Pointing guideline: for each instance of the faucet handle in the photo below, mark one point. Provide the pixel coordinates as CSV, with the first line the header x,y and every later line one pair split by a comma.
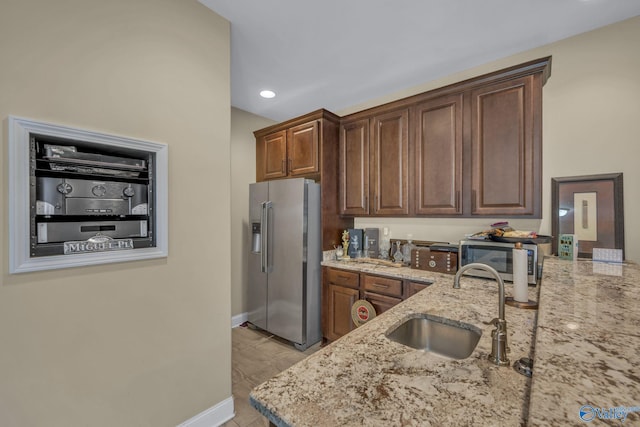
x,y
500,324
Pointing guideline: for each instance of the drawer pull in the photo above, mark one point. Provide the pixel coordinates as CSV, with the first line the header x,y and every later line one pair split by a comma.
x,y
379,285
343,277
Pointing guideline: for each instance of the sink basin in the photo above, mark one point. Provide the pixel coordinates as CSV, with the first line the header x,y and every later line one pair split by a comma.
x,y
438,335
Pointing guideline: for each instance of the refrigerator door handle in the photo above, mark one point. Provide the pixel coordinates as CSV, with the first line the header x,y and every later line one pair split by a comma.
x,y
264,253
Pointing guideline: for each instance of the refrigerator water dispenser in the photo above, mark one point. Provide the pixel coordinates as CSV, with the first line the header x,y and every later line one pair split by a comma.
x,y
255,237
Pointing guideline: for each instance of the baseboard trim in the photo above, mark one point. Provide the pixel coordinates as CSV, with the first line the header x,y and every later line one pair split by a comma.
x,y
239,319
212,417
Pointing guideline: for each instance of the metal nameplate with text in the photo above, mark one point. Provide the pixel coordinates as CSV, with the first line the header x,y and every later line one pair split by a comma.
x,y
101,244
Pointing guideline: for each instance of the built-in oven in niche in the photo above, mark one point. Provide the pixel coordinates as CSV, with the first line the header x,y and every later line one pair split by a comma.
x,y
88,197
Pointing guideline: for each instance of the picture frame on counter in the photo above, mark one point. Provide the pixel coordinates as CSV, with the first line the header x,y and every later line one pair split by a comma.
x,y
590,207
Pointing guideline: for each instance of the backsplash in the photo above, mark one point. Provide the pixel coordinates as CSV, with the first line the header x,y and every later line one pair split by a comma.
x,y
329,255
450,230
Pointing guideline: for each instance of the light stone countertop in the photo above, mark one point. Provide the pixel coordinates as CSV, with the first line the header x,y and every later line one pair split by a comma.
x,y
587,343
364,379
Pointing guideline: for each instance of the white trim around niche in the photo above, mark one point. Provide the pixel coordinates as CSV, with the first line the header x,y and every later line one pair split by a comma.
x,y
20,260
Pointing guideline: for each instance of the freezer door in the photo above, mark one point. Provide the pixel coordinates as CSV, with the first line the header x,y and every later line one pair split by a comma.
x,y
286,288
257,295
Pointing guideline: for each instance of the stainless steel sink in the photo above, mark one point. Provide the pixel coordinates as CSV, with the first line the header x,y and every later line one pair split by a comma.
x,y
438,335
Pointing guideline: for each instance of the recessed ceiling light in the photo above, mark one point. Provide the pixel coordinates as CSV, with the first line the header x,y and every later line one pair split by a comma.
x,y
267,94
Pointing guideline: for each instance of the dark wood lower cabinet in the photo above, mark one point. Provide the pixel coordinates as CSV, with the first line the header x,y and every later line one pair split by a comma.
x,y
411,288
342,288
339,302
381,303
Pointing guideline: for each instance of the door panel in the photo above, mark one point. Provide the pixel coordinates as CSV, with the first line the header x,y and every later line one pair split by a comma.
x,y
273,154
303,149
354,168
381,303
438,159
390,159
257,297
341,300
286,279
503,156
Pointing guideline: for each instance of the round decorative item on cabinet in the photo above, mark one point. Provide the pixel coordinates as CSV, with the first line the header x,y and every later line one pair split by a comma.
x,y
362,311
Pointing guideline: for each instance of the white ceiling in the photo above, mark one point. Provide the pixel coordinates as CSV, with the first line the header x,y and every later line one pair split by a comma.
x,y
335,54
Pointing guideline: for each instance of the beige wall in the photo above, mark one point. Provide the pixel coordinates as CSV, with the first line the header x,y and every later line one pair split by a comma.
x,y
144,343
243,173
591,125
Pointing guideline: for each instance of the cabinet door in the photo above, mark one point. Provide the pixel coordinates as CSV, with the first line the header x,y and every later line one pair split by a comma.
x,y
340,300
271,156
302,149
390,160
354,168
412,288
381,303
438,156
506,148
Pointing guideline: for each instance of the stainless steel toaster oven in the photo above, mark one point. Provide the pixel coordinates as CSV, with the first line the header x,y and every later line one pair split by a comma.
x,y
498,255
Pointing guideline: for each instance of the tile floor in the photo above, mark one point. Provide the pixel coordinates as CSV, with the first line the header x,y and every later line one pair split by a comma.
x,y
256,357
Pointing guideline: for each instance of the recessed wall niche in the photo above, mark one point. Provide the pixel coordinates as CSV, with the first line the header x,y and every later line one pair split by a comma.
x,y
79,197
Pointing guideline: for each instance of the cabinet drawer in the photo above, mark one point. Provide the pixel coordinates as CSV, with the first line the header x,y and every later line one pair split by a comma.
x,y
383,285
415,287
381,303
343,278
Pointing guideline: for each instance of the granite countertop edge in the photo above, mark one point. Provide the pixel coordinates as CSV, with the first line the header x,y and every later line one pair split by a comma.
x,y
585,339
397,373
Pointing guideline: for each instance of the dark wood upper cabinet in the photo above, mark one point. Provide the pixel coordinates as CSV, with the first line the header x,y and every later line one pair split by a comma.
x,y
476,150
289,152
506,148
389,163
306,147
438,156
302,149
374,160
354,167
472,148
271,156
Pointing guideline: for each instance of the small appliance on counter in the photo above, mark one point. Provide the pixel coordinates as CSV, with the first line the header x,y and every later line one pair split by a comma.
x,y
498,255
439,257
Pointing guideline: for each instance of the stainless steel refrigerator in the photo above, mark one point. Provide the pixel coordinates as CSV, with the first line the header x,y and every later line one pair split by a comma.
x,y
284,259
